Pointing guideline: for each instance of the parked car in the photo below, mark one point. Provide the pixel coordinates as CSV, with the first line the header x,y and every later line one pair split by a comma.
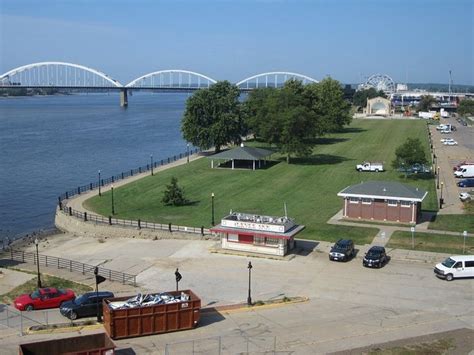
x,y
455,266
466,183
451,142
375,257
343,250
84,305
465,171
43,298
465,196
443,140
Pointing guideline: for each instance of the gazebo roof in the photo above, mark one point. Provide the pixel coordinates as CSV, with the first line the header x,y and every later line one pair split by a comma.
x,y
242,153
384,190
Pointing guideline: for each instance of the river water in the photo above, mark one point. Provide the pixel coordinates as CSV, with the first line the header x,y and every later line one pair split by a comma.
x,y
51,144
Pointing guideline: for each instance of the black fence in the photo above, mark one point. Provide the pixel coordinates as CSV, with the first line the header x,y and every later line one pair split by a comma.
x,y
138,224
71,265
123,175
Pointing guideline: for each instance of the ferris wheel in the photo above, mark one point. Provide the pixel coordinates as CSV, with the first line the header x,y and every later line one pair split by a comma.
x,y
381,82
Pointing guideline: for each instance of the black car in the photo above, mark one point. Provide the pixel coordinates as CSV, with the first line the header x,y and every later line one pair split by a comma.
x,y
84,305
375,257
466,183
343,250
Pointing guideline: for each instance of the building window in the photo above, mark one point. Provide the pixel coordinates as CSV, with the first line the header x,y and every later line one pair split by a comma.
x,y
405,203
353,200
273,242
259,240
392,203
233,238
366,201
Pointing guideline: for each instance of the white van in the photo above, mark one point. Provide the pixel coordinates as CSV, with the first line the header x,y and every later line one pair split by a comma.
x,y
455,266
465,171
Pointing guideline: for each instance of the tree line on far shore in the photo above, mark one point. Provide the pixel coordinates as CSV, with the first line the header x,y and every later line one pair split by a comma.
x,y
291,117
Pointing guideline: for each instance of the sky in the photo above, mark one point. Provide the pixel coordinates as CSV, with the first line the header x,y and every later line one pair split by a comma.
x,y
415,41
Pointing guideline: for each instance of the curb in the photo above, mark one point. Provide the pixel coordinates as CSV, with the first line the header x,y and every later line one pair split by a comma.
x,y
243,307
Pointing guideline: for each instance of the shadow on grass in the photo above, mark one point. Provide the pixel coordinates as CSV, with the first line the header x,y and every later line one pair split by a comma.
x,y
419,176
318,159
328,140
352,130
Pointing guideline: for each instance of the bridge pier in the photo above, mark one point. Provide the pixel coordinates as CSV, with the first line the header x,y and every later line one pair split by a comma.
x,y
123,97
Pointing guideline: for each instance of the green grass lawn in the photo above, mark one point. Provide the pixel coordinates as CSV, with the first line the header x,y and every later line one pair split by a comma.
x,y
438,243
47,281
453,222
308,186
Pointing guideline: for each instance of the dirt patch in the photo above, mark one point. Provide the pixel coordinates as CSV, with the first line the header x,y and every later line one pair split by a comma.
x,y
454,342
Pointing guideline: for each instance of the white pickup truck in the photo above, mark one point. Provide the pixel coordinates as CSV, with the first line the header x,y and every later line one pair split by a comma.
x,y
368,166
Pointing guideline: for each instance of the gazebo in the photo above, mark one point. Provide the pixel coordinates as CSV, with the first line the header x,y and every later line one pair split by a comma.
x,y
242,153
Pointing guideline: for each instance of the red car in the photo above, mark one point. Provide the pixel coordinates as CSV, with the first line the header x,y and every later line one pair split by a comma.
x,y
43,298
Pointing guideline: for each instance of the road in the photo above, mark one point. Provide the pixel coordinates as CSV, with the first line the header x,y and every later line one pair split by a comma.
x,y
349,306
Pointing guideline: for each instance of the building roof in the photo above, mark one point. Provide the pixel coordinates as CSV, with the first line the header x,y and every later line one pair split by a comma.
x,y
384,190
242,153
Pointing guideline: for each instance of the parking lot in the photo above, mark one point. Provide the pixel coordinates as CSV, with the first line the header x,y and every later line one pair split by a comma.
x,y
349,305
447,157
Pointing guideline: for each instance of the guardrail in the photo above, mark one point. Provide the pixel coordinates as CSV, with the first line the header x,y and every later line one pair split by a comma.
x,y
139,224
72,265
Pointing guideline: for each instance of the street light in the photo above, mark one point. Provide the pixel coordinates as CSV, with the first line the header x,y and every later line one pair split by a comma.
x,y
212,208
441,196
412,229
37,262
434,163
437,179
249,298
100,193
464,243
151,163
113,207
187,152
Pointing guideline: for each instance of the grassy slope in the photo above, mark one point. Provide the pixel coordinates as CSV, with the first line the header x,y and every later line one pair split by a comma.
x,y
47,281
308,186
431,242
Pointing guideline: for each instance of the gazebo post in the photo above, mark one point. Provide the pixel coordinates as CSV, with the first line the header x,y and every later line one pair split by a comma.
x,y
253,164
232,164
259,164
212,164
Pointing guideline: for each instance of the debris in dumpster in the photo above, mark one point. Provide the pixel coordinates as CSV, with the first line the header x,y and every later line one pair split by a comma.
x,y
141,300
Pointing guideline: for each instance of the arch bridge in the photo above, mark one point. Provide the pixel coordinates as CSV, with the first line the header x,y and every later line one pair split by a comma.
x,y
75,77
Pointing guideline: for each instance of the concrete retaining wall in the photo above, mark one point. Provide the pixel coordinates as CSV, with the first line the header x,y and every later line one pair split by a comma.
x,y
77,226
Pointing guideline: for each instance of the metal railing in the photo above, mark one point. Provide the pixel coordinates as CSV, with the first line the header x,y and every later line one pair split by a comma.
x,y
139,224
123,175
72,265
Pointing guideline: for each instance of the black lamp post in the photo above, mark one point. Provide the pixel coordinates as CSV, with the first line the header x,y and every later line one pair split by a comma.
x,y
100,193
113,207
249,298
441,201
212,208
434,158
187,152
98,279
151,163
437,179
37,262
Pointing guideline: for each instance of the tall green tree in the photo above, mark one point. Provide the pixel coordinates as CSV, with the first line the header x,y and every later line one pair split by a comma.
x,y
213,117
426,102
409,153
326,99
466,107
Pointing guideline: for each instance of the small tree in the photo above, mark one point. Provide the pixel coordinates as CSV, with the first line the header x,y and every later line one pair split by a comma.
x,y
174,195
409,153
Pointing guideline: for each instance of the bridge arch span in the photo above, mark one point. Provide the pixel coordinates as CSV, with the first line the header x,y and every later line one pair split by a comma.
x,y
166,78
54,74
270,79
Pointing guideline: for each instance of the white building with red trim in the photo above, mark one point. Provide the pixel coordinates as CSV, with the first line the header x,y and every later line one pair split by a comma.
x,y
257,234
